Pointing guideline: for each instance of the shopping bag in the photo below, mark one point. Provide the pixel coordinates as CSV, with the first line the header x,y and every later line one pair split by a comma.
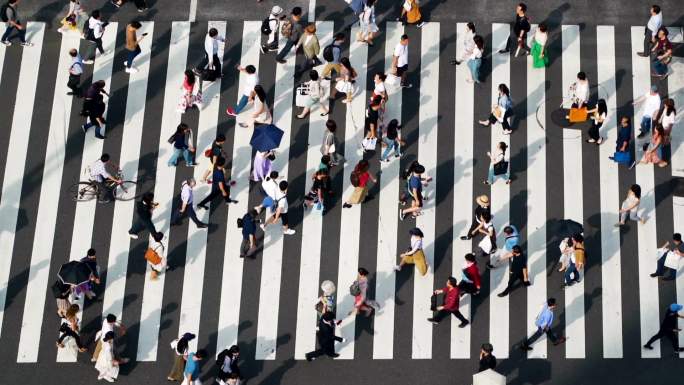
x,y
300,100
486,245
577,115
672,260
369,144
623,157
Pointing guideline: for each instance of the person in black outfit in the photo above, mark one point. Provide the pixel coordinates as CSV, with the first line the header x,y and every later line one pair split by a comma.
x,y
143,215
326,337
249,224
518,271
218,185
520,30
481,208
227,362
668,328
487,359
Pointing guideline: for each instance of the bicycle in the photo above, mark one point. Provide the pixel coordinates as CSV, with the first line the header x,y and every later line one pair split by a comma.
x,y
84,191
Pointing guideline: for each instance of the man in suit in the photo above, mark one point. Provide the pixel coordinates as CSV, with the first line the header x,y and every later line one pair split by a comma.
x,y
326,337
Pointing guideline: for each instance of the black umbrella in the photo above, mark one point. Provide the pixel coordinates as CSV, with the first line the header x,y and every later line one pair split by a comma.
x,y
74,273
568,228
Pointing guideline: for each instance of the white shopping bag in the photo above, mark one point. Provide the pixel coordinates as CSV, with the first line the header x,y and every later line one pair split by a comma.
x,y
485,244
672,260
369,144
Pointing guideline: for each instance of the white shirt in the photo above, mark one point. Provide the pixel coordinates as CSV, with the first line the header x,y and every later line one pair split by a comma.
x,y
475,54
186,193
401,52
270,187
96,26
211,44
250,82
654,23
379,88
652,105
416,243
582,91
498,157
541,37
107,327
667,120
282,202
76,66
468,42
98,172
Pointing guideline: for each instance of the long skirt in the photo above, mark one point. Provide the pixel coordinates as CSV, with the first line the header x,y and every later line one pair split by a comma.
x,y
358,195
262,167
537,60
178,367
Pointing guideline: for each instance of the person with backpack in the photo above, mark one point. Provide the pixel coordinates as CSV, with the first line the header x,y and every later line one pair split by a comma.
x,y
186,205
210,66
269,27
498,165
359,179
332,54
414,187
93,30
414,255
133,45
10,16
293,30
359,289
276,208
219,186
248,224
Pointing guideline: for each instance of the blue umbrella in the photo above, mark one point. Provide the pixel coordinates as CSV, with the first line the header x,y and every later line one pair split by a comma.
x,y
266,137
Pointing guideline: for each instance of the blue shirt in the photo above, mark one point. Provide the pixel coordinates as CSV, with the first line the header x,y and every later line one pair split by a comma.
x,y
624,135
504,102
192,367
512,240
217,178
544,319
248,226
415,183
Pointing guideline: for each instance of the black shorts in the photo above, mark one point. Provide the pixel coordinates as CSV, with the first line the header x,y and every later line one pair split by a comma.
x,y
401,70
283,218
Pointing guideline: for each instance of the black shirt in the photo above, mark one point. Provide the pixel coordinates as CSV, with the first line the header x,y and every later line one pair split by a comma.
x,y
518,263
143,210
487,362
479,211
372,116
248,226
521,24
92,265
670,320
392,132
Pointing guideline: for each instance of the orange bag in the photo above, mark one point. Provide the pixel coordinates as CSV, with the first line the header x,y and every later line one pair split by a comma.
x,y
413,14
577,115
152,257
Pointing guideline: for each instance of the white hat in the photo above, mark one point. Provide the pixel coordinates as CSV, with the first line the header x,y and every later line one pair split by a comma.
x,y
328,287
276,10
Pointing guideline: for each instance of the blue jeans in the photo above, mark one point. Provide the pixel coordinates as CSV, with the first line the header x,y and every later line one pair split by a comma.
x,y
92,123
572,269
474,66
286,49
645,125
177,153
20,32
659,68
241,104
131,56
392,144
491,178
663,270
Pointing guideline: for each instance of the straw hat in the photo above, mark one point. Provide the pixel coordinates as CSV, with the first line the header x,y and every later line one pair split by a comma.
x,y
328,287
276,10
482,200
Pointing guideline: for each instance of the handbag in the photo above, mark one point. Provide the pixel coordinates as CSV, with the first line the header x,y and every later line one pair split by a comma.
x,y
369,144
500,168
152,257
577,115
622,157
331,148
497,112
486,245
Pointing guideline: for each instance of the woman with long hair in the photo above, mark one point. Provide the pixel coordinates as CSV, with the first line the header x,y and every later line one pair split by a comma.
x,y
475,59
630,206
345,82
498,165
654,151
262,113
359,179
501,111
598,116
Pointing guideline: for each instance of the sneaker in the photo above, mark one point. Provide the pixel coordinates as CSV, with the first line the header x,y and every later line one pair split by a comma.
x,y
230,111
560,341
100,136
281,61
502,294
653,275
262,49
422,23
132,70
503,51
464,237
407,85
125,63
525,347
289,232
346,205
203,207
257,209
432,320
489,265
307,355
128,70
401,215
507,132
84,128
263,227
132,235
345,101
7,42
641,134
141,10
397,268
88,62
642,54
463,324
26,44
454,62
190,165
202,225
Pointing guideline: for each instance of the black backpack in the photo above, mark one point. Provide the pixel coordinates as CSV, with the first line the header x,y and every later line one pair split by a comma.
x,y
266,26
88,32
328,53
3,12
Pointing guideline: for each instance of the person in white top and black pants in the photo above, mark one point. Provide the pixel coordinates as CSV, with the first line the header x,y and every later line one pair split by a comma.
x,y
94,33
211,61
186,202
651,31
400,60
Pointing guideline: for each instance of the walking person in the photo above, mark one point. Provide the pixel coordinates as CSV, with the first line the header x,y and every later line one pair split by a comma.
x,y
511,239
488,242
94,108
62,292
315,93
326,302
262,112
191,375
189,99
468,44
667,118
414,255
326,337
359,179
93,33
227,362
110,324
320,189
669,328
211,63
540,59
579,91
69,328
630,206
219,186
501,111
667,273
655,21
106,365
400,61
451,304
410,13
475,60
345,82
133,45
332,54
392,139
329,145
598,116
518,271
374,116
499,166
543,323
414,189
270,27
248,92
249,222
575,261
622,152
13,22
180,355
90,260
293,30
143,215
369,28
278,210
359,289
214,153
482,202
156,255
662,52
487,359
471,280
182,141
186,205
651,102
75,72
520,29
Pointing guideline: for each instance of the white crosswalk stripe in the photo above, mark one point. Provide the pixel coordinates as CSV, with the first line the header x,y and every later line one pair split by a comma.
x,y
45,254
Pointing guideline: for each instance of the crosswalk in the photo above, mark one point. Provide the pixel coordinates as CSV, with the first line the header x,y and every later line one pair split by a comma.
x,y
268,303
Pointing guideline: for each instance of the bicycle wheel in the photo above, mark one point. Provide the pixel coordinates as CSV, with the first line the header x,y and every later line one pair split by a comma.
x,y
125,191
83,191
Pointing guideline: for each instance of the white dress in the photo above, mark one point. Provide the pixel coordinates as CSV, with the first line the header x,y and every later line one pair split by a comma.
x,y
367,21
104,363
161,250
265,115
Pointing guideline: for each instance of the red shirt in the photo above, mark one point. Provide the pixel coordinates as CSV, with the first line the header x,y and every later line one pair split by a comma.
x,y
363,179
663,45
450,298
473,274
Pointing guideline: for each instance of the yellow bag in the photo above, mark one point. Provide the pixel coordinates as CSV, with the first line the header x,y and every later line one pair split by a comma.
x,y
412,15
